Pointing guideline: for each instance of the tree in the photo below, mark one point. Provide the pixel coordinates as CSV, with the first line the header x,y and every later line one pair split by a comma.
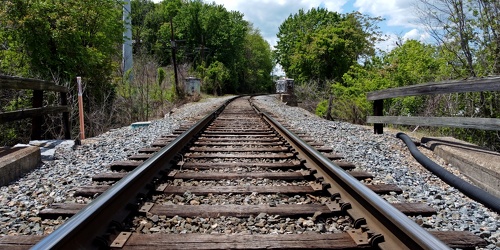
x,y
257,64
321,45
215,76
449,22
62,39
206,33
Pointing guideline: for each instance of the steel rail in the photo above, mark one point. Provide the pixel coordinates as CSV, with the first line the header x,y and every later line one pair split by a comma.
x,y
90,227
398,230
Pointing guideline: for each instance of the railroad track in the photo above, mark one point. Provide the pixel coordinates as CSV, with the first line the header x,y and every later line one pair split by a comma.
x,y
239,179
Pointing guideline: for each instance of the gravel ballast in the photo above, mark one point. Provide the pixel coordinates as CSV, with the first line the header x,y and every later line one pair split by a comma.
x,y
383,155
55,181
391,163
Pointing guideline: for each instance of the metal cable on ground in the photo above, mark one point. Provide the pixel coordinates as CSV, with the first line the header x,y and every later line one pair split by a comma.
x,y
468,189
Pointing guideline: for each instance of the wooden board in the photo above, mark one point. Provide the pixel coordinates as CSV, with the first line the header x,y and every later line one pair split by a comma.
x,y
360,175
239,149
237,143
90,191
241,211
246,130
139,157
161,142
12,82
205,190
333,156
232,176
385,188
242,136
108,176
19,242
241,156
454,239
344,165
444,87
237,133
460,239
268,139
415,208
60,209
69,209
459,122
124,165
149,150
31,112
254,241
196,165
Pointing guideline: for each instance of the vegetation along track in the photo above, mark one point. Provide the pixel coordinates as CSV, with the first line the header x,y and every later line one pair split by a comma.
x,y
239,179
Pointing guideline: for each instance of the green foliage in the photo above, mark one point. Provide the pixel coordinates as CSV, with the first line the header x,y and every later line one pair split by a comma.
x,y
206,33
321,109
323,45
216,74
62,39
411,63
257,64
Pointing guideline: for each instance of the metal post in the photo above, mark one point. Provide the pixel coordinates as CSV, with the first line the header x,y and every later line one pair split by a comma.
x,y
174,60
127,39
378,110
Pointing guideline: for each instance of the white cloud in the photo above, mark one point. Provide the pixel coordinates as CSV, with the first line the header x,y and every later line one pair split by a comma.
x,y
268,15
389,43
397,12
416,34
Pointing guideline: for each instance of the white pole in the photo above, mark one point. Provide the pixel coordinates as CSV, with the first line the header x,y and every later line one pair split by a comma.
x,y
127,38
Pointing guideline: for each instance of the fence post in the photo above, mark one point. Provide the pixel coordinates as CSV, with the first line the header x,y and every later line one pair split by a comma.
x,y
65,117
378,110
36,121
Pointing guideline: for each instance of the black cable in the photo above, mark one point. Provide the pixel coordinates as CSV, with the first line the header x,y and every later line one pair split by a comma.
x,y
468,189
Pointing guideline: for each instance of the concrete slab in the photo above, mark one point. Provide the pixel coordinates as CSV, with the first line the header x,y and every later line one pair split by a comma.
x,y
48,147
480,165
16,161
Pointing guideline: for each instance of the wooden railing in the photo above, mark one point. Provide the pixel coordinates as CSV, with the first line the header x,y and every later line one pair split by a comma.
x,y
37,111
446,87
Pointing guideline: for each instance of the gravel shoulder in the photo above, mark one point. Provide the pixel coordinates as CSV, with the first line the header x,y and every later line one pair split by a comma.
x,y
391,162
55,181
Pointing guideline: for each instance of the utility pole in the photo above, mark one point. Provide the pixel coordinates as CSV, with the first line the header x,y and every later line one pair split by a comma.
x,y
174,60
127,62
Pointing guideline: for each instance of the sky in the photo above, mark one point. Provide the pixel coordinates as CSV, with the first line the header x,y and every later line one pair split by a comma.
x,y
267,15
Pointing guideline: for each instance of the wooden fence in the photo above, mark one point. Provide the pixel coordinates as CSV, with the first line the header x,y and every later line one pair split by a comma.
x,y
37,111
445,87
